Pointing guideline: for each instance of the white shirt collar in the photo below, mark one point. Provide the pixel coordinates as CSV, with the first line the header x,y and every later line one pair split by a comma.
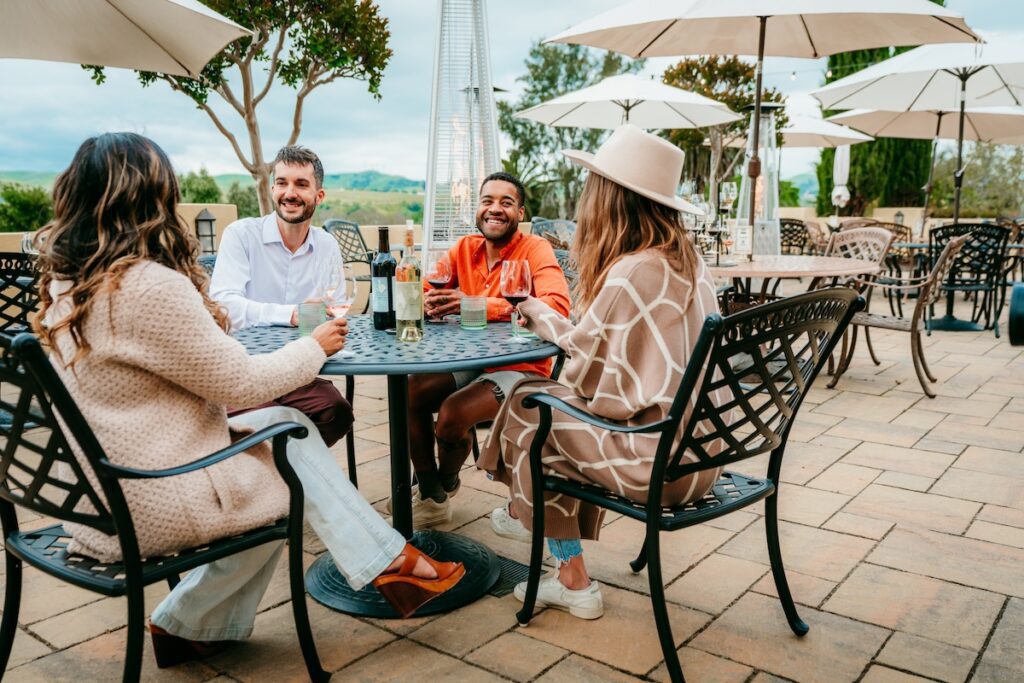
x,y
271,234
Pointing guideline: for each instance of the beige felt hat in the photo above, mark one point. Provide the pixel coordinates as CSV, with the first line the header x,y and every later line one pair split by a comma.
x,y
641,162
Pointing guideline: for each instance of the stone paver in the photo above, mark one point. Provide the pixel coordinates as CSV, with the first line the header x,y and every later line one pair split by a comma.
x,y
902,527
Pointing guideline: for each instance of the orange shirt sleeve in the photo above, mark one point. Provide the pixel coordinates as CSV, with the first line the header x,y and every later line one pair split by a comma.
x,y
549,284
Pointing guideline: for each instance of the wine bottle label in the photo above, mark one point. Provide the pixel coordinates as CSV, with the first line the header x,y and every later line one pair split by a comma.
x,y
408,300
380,293
743,239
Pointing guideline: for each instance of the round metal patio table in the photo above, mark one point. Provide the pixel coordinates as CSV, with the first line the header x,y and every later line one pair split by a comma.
x,y
776,268
445,347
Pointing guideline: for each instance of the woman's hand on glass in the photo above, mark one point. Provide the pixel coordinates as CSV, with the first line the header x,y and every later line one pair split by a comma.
x,y
331,335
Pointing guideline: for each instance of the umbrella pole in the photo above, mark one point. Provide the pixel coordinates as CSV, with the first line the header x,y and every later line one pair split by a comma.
x,y
958,177
931,173
754,167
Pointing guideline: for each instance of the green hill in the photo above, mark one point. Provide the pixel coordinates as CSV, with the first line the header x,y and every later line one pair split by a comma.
x,y
374,181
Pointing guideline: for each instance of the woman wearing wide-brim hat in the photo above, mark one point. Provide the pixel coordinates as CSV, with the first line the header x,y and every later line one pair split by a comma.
x,y
641,297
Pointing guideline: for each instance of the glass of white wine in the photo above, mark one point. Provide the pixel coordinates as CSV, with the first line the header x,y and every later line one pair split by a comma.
x,y
338,290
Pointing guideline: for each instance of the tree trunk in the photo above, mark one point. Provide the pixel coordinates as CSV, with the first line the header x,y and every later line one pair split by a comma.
x,y
262,178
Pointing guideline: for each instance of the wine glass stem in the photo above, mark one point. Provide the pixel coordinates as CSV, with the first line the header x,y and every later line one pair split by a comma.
x,y
515,323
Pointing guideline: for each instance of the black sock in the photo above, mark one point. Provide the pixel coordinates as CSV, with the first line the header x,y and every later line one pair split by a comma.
x,y
430,486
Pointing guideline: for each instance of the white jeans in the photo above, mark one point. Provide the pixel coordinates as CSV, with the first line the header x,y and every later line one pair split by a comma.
x,y
218,601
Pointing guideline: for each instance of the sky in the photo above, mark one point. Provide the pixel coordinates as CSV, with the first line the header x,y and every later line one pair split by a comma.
x,y
48,108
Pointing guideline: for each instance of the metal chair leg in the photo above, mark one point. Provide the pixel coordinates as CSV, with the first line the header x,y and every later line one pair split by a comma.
x,y
136,633
640,562
12,604
668,645
917,355
350,438
524,615
300,612
920,356
771,523
871,349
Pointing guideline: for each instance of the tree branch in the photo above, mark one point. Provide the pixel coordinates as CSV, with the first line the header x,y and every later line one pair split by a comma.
x,y
249,166
225,91
272,71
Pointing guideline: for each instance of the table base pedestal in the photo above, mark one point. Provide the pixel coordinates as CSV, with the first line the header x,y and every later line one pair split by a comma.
x,y
950,323
327,586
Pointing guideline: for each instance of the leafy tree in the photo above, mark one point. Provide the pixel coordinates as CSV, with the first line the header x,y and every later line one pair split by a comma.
x,y
24,208
553,70
732,82
244,199
994,181
789,194
303,45
886,172
199,188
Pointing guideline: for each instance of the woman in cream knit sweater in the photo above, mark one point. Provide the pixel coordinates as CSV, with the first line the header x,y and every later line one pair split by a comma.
x,y
144,352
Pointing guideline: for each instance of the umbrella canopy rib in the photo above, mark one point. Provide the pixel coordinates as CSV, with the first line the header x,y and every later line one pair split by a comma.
x,y
151,37
810,40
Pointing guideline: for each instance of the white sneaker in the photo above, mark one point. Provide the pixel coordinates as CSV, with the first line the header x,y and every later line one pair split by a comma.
x,y
427,512
416,495
585,603
507,526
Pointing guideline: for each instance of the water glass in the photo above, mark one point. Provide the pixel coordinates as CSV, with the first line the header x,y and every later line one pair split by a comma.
x,y
310,317
473,312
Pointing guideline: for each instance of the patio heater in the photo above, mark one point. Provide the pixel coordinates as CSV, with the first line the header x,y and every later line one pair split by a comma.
x,y
766,191
463,143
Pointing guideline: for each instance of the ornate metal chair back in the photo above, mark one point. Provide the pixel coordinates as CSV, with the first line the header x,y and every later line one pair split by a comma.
x,y
559,231
980,261
19,292
350,240
747,377
40,470
793,235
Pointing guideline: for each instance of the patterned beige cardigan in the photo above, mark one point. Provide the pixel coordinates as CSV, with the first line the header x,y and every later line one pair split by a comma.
x,y
624,362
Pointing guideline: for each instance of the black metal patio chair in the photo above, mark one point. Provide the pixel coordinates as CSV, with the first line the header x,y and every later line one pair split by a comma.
x,y
208,262
977,269
42,474
789,341
793,236
559,231
19,298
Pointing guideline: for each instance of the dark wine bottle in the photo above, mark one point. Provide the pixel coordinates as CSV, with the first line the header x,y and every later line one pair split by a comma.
x,y
382,273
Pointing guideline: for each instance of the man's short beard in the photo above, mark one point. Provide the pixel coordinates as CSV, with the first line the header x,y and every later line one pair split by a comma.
x,y
307,213
512,227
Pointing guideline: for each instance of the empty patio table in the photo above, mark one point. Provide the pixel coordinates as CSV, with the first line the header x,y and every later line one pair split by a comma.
x,y
445,347
772,269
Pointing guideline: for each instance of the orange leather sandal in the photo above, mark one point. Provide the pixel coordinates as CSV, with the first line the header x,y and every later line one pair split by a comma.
x,y
171,650
407,593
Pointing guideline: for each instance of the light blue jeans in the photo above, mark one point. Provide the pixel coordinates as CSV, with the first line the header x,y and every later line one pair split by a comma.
x,y
218,601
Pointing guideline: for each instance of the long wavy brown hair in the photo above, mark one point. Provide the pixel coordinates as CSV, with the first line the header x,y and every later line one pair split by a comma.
x,y
115,206
611,222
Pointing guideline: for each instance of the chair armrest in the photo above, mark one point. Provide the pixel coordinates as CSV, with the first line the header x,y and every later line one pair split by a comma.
x,y
906,285
536,399
293,429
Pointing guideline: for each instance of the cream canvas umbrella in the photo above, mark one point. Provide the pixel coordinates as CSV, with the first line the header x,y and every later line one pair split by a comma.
x,y
812,131
784,28
1000,125
171,36
937,78
629,98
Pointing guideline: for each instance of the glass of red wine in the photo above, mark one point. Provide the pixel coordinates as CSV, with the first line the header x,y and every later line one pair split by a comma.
x,y
516,286
438,273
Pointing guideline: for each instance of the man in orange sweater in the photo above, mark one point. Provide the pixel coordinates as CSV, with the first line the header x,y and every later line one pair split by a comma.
x,y
462,399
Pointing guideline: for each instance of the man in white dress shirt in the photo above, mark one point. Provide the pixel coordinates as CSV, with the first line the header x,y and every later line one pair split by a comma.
x,y
267,266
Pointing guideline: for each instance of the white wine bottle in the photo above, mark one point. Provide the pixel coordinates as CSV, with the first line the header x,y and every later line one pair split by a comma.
x,y
409,294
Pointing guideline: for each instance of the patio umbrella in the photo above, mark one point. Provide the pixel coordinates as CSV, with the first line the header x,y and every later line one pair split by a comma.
x,y
784,28
841,176
936,78
812,131
171,36
629,98
1000,125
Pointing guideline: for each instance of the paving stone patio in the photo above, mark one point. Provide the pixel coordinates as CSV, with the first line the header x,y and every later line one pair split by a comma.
x,y
902,531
